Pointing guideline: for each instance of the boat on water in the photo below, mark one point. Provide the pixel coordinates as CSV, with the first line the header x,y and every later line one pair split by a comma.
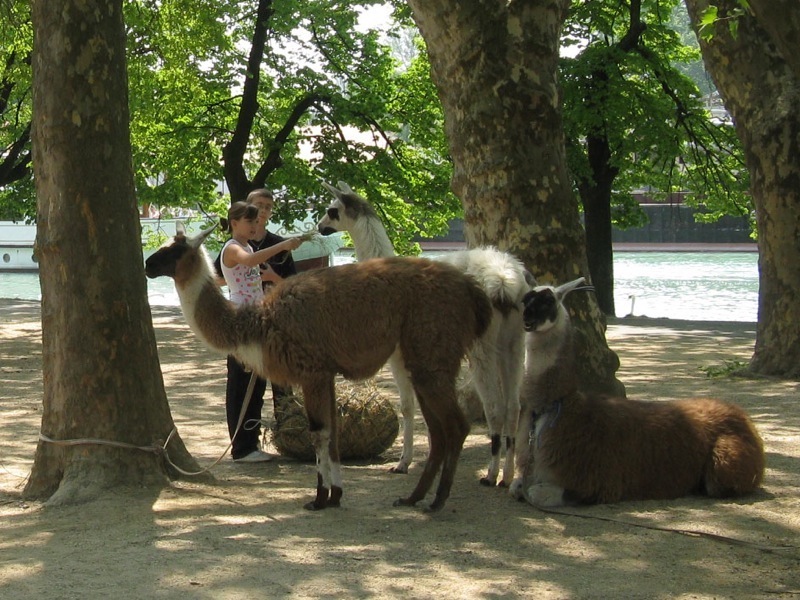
x,y
17,243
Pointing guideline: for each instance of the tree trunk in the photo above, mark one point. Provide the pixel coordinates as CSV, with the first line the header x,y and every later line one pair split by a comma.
x,y
762,93
494,65
102,378
596,197
780,19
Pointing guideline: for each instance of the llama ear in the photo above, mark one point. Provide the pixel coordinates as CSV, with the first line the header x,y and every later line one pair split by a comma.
x,y
344,188
336,192
529,278
197,240
566,288
179,228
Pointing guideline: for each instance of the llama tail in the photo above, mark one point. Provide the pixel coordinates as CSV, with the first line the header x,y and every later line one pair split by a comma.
x,y
503,278
482,309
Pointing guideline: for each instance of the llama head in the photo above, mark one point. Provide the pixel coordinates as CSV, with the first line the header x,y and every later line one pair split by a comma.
x,y
176,254
345,210
543,305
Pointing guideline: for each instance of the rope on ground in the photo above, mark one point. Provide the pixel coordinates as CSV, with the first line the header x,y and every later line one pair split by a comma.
x,y
162,448
687,532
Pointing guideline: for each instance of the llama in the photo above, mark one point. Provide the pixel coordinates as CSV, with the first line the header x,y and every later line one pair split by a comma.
x,y
496,360
586,448
311,327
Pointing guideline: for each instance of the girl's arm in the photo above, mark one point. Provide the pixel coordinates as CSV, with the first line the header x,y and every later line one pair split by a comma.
x,y
236,255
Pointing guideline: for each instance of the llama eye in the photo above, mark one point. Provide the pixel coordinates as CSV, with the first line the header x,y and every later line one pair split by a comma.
x,y
333,214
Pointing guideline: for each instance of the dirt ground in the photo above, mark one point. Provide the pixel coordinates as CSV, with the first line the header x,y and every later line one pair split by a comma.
x,y
247,535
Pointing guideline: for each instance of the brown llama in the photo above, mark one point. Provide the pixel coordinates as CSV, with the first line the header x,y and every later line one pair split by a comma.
x,y
587,448
345,320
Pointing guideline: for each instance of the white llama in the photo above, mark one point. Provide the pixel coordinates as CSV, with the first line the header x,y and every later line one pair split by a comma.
x,y
496,361
311,327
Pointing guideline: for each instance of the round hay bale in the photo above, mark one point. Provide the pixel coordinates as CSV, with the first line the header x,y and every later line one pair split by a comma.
x,y
368,424
469,400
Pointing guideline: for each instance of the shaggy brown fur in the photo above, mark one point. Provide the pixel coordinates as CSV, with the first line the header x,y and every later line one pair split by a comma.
x,y
586,448
346,320
601,449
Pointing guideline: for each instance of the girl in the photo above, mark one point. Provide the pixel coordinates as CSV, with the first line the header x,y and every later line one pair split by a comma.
x,y
240,268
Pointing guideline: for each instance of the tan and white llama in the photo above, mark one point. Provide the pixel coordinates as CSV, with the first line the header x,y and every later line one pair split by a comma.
x,y
496,361
345,320
587,448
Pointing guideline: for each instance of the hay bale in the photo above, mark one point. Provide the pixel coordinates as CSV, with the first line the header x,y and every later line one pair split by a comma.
x,y
469,400
368,424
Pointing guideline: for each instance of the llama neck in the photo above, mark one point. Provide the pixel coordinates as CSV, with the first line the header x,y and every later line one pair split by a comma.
x,y
370,239
549,364
208,312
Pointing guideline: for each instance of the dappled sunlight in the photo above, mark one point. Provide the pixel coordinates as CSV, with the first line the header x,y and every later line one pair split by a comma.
x,y
246,534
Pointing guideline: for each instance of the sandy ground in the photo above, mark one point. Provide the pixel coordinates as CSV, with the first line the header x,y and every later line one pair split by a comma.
x,y
248,536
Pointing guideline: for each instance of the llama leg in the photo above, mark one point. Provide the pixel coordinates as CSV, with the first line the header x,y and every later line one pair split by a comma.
x,y
488,383
319,399
436,454
406,391
512,368
545,495
522,451
456,430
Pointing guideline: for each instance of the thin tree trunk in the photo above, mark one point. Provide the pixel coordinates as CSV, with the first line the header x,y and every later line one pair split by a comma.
x,y
596,198
495,65
762,93
101,373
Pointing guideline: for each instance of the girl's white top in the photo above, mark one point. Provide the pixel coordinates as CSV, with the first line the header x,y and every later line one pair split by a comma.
x,y
244,283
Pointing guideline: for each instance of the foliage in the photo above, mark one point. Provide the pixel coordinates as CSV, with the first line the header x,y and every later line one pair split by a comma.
x,y
624,86
729,368
369,121
372,116
16,37
710,18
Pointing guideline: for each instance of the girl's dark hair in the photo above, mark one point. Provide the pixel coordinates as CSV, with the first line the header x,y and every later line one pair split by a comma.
x,y
239,210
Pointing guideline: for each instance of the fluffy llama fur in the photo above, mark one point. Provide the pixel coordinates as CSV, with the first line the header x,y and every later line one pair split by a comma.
x,y
312,326
586,448
496,361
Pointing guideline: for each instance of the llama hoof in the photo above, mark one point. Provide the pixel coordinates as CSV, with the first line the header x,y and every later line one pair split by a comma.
x,y
402,469
434,506
545,495
502,484
403,502
314,505
336,496
322,499
515,489
487,482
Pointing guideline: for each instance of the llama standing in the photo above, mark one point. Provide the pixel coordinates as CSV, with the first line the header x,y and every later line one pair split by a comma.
x,y
311,327
496,361
586,448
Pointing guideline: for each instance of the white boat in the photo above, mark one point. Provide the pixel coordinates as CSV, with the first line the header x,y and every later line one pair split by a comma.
x,y
16,247
17,240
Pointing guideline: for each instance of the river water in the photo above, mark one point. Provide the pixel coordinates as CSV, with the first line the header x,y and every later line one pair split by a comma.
x,y
695,286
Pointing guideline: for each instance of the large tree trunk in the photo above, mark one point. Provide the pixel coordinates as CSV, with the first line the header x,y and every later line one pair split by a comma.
x,y
762,93
102,378
494,65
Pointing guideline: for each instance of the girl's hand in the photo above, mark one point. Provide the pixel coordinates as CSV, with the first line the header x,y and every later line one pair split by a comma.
x,y
292,243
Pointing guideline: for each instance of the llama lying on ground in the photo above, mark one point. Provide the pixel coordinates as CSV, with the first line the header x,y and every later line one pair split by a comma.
x,y
592,449
346,320
496,360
